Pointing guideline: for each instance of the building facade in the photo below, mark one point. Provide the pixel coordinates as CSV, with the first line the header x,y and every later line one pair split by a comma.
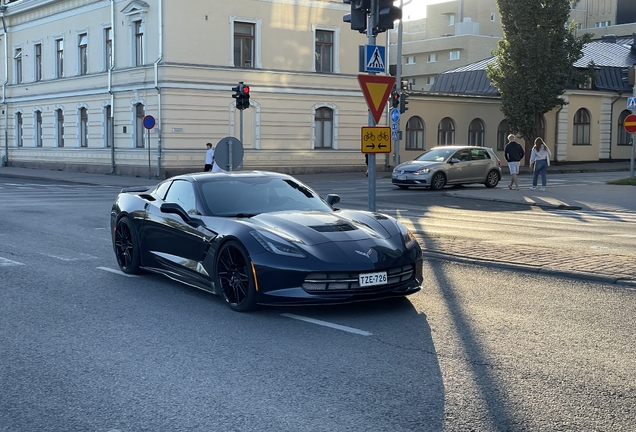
x,y
80,76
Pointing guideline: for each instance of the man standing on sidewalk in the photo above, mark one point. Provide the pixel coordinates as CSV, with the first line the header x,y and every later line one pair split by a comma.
x,y
513,153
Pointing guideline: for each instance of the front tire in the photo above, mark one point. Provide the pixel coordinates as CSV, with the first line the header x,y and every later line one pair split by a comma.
x,y
234,277
438,181
492,180
127,246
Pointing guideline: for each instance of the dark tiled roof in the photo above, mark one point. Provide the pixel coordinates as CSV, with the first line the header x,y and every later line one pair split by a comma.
x,y
610,59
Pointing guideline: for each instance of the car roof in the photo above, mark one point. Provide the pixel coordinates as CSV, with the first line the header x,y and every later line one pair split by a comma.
x,y
203,176
458,147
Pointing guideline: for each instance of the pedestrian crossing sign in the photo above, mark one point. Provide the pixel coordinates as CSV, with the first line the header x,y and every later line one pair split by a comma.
x,y
374,58
631,103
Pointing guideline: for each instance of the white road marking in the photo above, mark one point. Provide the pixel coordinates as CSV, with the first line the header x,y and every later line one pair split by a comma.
x,y
119,272
328,324
84,257
8,262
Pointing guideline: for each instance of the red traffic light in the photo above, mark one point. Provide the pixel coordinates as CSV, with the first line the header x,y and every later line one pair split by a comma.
x,y
246,89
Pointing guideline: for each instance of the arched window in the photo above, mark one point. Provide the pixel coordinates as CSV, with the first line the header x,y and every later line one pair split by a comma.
x,y
503,130
139,125
59,128
623,137
83,129
476,133
446,132
109,131
324,128
582,127
415,134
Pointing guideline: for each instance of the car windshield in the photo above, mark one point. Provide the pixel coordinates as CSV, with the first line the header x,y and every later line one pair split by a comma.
x,y
249,196
436,155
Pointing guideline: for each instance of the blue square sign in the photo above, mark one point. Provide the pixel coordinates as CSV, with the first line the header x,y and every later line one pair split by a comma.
x,y
374,58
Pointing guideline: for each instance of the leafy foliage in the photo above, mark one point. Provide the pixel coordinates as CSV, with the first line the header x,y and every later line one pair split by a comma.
x,y
534,60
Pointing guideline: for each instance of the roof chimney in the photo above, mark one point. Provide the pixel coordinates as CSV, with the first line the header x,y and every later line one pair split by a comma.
x,y
609,38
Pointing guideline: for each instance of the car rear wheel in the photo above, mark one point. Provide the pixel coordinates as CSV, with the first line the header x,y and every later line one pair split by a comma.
x,y
127,246
492,180
234,277
438,181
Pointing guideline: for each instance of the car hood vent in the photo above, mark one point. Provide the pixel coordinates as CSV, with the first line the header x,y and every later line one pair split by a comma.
x,y
333,227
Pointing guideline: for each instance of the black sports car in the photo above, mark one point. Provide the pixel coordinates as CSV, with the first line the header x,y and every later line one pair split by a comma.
x,y
262,238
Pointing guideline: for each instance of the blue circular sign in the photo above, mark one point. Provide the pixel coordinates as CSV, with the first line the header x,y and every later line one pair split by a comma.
x,y
149,122
395,115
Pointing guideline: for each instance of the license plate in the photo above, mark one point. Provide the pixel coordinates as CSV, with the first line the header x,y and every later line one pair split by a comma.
x,y
401,177
371,279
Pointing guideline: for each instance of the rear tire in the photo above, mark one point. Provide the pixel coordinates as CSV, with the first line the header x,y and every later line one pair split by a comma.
x,y
127,246
492,180
438,181
234,277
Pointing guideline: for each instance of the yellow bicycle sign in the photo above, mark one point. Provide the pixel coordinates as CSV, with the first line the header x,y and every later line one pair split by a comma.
x,y
376,139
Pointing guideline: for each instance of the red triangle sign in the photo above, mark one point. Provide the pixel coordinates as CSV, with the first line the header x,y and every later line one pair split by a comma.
x,y
376,89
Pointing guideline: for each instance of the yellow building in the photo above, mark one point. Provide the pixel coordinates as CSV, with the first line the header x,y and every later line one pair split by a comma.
x,y
80,76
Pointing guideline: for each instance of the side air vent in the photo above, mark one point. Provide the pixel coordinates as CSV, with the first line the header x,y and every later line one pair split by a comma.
x,y
333,228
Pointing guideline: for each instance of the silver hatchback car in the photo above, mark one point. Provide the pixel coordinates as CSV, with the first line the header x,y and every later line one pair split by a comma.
x,y
449,165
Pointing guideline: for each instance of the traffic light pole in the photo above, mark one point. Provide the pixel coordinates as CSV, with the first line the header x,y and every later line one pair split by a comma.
x,y
398,84
373,17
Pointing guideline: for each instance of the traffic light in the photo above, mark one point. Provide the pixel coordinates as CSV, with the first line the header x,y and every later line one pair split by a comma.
x,y
395,99
242,96
388,14
358,16
403,103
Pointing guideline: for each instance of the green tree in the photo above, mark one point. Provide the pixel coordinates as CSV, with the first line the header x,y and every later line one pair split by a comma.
x,y
534,60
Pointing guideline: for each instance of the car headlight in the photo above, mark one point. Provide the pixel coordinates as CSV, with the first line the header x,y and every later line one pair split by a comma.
x,y
277,245
423,171
407,235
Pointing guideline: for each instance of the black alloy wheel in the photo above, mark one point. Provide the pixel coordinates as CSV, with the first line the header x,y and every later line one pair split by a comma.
x,y
492,180
126,246
438,181
234,277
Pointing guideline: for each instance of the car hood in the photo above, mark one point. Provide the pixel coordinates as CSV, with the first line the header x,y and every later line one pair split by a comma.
x,y
411,166
313,227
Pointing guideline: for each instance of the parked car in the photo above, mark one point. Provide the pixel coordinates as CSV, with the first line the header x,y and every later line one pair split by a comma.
x,y
449,165
263,238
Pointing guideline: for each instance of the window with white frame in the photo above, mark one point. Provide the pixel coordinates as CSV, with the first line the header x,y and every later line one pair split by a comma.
x,y
109,132
415,133
451,19
324,50
430,80
410,60
602,24
138,43
140,113
492,16
431,58
453,55
83,127
19,129
244,42
59,128
108,48
37,51
324,128
37,130
82,53
59,58
17,57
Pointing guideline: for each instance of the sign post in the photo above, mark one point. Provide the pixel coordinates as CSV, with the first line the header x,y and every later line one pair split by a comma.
x,y
630,127
149,123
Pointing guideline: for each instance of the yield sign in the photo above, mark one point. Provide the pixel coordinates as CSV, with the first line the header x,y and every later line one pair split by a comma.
x,y
376,89
630,123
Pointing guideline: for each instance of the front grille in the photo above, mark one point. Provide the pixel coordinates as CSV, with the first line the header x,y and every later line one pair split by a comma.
x,y
348,281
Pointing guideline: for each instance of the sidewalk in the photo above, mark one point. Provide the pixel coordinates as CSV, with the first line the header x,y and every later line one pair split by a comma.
x,y
599,197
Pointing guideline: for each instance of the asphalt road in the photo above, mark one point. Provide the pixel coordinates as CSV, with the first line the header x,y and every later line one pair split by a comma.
x,y
85,348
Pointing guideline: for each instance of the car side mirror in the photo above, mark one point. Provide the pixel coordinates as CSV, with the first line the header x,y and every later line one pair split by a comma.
x,y
174,208
333,199
454,161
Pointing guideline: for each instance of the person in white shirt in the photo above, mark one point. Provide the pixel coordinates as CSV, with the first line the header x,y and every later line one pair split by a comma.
x,y
209,158
540,159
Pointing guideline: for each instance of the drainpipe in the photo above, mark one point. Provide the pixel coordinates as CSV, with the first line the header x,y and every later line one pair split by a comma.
x,y
110,86
3,8
159,58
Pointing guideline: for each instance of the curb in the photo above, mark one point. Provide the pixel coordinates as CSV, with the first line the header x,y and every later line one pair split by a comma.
x,y
567,274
